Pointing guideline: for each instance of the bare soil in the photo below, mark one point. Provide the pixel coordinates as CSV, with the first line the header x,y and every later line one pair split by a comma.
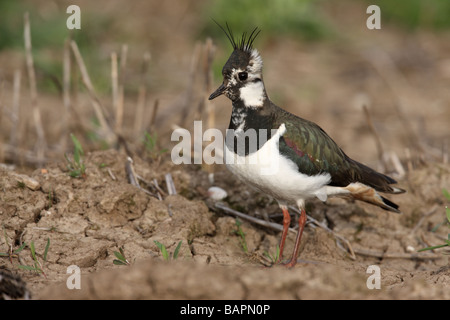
x,y
402,78
88,219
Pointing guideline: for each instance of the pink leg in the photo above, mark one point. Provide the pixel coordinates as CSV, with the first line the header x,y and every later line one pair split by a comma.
x,y
301,226
286,223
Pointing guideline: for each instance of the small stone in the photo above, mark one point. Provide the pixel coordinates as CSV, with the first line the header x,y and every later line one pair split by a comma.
x,y
217,193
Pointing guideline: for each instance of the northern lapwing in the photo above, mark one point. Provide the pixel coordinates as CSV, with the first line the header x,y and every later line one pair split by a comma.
x,y
304,161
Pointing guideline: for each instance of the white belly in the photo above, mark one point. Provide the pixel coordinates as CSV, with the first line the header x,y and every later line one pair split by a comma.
x,y
270,172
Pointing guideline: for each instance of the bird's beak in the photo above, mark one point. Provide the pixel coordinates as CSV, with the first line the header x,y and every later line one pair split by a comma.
x,y
220,90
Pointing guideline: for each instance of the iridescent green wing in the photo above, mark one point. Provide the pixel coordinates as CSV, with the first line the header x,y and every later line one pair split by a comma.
x,y
308,146
314,152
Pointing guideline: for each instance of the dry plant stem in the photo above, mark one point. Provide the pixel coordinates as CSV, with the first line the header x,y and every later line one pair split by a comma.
x,y
383,157
113,177
114,80
66,94
396,163
409,162
131,174
151,125
160,191
15,109
41,143
150,194
170,185
100,113
374,133
208,81
267,224
209,56
154,185
142,97
190,86
139,114
133,178
120,88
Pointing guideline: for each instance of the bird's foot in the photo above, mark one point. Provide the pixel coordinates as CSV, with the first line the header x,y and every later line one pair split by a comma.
x,y
290,264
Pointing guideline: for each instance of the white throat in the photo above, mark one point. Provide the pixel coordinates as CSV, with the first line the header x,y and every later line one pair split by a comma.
x,y
252,94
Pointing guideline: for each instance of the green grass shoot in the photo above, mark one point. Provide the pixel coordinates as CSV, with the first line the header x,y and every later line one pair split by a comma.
x,y
273,258
165,253
76,166
241,235
121,260
37,266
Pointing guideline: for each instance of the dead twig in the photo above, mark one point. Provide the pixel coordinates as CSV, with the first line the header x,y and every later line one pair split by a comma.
x,y
267,224
66,94
374,132
133,177
160,191
392,159
100,112
119,79
15,112
207,69
111,174
41,144
170,185
151,126
189,94
131,174
142,97
153,185
115,82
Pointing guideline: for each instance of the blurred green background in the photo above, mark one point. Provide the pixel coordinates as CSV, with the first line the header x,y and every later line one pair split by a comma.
x,y
318,55
305,20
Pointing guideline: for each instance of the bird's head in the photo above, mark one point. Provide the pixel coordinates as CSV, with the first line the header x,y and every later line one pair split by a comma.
x,y
242,73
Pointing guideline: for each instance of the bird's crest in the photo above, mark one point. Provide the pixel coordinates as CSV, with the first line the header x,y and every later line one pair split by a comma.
x,y
245,43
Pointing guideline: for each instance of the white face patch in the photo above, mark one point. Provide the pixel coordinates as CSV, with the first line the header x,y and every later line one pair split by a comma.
x,y
256,62
252,94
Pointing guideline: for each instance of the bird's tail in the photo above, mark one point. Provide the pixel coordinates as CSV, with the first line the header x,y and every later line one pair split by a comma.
x,y
368,194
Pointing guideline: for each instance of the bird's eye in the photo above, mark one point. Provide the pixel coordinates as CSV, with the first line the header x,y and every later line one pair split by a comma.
x,y
242,76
